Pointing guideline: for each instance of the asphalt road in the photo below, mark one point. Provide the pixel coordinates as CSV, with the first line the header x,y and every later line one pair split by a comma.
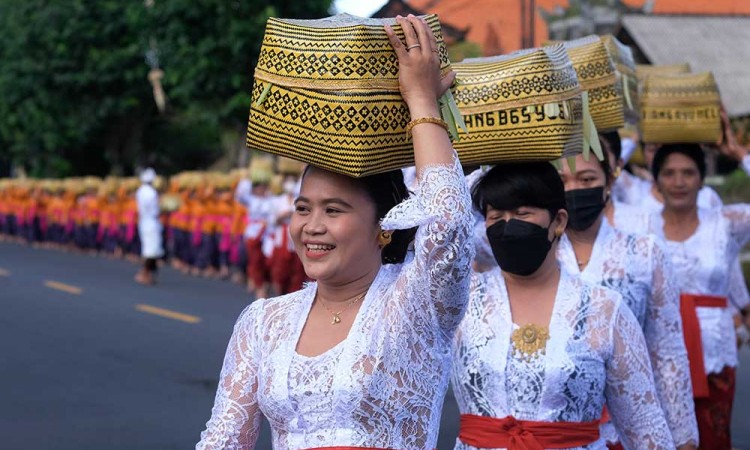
x,y
91,360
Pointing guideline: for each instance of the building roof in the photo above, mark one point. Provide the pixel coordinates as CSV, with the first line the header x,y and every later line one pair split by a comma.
x,y
708,43
493,24
496,24
725,7
392,8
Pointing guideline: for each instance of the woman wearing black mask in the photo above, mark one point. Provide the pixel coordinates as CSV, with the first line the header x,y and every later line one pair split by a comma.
x,y
539,349
637,268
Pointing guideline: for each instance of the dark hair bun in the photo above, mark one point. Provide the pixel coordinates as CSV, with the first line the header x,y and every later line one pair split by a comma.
x,y
388,190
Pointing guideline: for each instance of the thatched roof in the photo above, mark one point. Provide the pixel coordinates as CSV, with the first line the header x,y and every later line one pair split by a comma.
x,y
709,43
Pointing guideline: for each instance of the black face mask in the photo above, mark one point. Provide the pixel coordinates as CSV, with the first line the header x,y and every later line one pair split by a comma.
x,y
519,247
584,207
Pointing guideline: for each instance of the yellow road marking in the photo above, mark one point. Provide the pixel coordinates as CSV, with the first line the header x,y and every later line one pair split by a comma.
x,y
174,315
4,273
63,287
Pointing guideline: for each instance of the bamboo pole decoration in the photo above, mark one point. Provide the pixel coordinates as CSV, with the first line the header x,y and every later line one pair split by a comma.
x,y
155,76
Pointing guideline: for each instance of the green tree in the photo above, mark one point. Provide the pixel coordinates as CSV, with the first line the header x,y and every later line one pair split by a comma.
x,y
74,94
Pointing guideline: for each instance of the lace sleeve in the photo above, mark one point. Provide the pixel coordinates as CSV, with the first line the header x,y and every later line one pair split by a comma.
x,y
235,417
711,200
666,347
441,207
738,294
739,218
630,393
484,259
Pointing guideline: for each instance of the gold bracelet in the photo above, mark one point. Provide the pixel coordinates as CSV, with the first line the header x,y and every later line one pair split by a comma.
x,y
416,122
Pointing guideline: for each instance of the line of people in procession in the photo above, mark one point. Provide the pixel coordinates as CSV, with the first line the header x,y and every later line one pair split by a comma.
x,y
568,307
562,317
206,224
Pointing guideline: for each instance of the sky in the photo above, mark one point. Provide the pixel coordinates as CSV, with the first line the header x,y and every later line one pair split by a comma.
x,y
359,7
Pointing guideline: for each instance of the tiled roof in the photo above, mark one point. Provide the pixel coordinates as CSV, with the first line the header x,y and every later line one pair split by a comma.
x,y
496,24
715,43
493,24
719,7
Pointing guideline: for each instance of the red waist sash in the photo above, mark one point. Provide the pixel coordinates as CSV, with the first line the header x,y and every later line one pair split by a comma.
x,y
691,332
513,434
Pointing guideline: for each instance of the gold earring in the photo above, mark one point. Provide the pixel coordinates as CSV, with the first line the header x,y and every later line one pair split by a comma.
x,y
618,172
384,238
558,233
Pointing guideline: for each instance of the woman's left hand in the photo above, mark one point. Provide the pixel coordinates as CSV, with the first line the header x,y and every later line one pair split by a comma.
x,y
420,79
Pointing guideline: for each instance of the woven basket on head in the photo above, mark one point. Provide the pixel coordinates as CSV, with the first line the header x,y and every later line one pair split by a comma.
x,y
681,108
521,107
326,93
606,71
644,70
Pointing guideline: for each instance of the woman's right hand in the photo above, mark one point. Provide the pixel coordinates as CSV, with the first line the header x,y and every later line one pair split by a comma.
x,y
729,146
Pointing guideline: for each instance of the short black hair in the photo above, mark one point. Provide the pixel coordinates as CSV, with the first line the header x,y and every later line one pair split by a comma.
x,y
513,185
692,151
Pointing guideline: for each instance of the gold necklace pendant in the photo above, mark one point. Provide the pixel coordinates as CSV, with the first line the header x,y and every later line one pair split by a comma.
x,y
530,339
337,315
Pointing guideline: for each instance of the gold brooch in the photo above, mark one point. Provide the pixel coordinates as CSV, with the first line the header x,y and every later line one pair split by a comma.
x,y
530,339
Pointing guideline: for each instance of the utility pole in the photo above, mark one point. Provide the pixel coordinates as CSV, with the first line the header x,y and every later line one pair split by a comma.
x,y
532,23
523,23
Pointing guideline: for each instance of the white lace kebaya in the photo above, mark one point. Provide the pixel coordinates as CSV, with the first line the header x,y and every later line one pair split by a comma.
x,y
702,265
595,352
638,268
384,385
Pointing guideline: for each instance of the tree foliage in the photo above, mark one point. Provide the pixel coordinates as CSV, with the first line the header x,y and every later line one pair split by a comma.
x,y
74,94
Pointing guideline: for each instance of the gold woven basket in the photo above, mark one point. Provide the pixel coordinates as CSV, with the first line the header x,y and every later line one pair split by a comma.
x,y
644,70
326,93
681,108
521,107
606,71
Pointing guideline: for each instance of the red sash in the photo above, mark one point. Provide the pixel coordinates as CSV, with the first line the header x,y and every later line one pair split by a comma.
x,y
491,432
691,332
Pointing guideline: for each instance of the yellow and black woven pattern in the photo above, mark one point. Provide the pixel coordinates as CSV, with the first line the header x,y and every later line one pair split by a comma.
x,y
326,93
599,76
622,57
644,70
520,107
681,108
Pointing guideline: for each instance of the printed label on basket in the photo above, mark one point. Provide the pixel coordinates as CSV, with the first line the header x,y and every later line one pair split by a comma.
x,y
511,118
702,113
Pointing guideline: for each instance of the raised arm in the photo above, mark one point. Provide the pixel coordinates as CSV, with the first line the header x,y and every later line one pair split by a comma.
x,y
235,417
739,223
666,348
630,392
441,206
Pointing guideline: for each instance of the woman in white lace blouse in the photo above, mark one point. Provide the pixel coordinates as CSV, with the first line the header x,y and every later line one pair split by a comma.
x,y
703,245
361,358
637,267
540,350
